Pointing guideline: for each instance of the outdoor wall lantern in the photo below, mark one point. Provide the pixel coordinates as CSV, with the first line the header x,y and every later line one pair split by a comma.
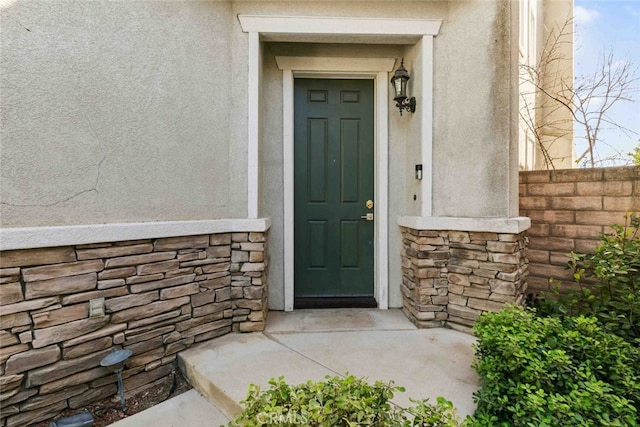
x,y
399,83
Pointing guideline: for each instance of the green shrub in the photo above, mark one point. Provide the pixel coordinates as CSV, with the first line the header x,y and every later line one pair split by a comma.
x,y
337,402
609,283
542,371
442,414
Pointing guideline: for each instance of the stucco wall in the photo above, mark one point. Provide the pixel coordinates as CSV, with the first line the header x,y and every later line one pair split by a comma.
x,y
475,98
475,111
118,112
138,109
557,135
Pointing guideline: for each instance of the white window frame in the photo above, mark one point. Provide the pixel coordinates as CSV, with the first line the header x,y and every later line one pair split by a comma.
x,y
532,42
523,27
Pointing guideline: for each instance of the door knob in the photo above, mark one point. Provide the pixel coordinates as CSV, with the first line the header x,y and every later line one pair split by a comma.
x,y
369,204
368,217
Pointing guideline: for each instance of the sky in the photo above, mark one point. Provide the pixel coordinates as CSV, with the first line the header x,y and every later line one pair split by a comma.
x,y
609,26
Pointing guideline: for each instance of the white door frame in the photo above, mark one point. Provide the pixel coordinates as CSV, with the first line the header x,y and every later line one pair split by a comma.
x,y
341,29
376,69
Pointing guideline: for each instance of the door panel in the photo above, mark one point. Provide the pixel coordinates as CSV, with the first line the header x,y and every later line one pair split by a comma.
x,y
317,244
333,179
349,143
317,162
349,248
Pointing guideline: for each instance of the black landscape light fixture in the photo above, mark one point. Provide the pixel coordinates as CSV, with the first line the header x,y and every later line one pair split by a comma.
x,y
83,419
399,83
114,362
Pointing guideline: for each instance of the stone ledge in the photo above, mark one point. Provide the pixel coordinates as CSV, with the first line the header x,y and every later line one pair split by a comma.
x,y
41,237
513,225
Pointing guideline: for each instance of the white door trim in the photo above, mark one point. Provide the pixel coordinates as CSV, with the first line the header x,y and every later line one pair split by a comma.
x,y
426,131
377,70
277,27
335,30
253,132
333,64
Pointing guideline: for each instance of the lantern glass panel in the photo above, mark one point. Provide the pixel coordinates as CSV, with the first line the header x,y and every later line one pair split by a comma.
x,y
400,87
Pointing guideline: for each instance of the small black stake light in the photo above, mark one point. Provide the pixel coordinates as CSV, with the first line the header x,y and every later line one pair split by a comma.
x,y
114,362
399,83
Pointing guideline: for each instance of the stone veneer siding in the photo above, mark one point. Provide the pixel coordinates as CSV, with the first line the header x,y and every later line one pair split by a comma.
x,y
160,297
449,278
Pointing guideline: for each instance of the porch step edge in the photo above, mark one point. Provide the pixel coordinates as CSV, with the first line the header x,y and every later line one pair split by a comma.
x,y
217,397
221,369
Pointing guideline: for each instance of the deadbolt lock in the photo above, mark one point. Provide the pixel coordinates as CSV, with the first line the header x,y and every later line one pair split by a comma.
x,y
368,217
369,204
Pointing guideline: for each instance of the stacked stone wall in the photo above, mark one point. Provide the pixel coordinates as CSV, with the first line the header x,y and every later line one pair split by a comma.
x,y
449,278
569,209
425,288
63,309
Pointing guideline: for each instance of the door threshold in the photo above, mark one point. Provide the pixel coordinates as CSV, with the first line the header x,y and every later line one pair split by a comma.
x,y
335,302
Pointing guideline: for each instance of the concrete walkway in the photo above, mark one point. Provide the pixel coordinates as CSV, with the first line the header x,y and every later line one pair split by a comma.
x,y
310,344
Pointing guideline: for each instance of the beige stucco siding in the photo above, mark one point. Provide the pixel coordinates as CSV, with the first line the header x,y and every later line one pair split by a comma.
x,y
118,112
138,109
474,113
475,101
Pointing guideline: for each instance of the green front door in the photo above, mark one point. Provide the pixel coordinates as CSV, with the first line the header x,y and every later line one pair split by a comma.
x,y
333,175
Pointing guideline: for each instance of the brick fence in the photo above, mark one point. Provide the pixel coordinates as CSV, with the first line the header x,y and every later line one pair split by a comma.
x,y
63,309
569,209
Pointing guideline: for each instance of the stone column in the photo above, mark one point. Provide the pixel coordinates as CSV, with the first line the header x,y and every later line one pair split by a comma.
x,y
248,281
425,256
450,277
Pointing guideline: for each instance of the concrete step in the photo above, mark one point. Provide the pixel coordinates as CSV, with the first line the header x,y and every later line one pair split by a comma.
x,y
338,320
186,409
223,368
310,344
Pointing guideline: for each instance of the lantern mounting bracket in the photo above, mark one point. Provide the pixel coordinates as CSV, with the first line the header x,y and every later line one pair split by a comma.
x,y
407,104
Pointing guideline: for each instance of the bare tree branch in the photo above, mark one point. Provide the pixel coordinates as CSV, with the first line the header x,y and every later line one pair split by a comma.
x,y
587,100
